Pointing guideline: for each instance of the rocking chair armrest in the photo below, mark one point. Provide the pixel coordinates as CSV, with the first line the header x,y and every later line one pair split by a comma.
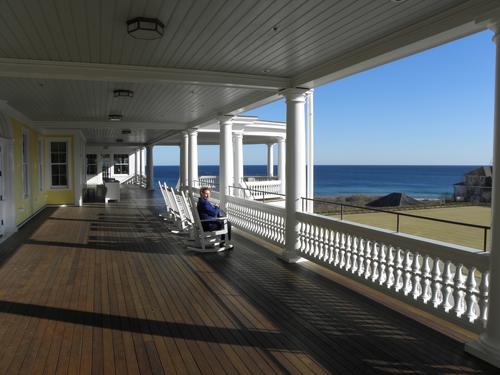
x,y
215,219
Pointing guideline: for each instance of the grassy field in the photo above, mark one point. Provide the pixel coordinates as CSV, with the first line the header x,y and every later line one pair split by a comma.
x,y
456,234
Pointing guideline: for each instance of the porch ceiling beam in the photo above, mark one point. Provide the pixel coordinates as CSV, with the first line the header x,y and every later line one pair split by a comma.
x,y
441,28
251,101
109,125
42,69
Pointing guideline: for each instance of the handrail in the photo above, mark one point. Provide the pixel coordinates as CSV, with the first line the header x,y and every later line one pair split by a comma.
x,y
263,192
398,214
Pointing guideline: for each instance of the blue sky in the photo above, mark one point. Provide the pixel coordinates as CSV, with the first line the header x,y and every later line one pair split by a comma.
x,y
433,108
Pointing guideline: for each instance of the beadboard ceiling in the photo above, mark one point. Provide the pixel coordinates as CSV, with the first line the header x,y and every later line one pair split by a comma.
x,y
60,60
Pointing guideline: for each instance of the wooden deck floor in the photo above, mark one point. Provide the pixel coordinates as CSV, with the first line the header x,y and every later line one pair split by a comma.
x,y
107,290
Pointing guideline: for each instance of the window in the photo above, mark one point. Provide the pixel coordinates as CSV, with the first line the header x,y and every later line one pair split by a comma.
x,y
26,185
121,164
40,165
92,164
59,164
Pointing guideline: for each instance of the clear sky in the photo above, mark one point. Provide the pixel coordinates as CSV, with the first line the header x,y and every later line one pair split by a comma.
x,y
433,108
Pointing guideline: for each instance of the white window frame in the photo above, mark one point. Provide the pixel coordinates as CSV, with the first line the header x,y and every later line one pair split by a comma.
x,y
87,164
40,165
25,156
115,164
69,161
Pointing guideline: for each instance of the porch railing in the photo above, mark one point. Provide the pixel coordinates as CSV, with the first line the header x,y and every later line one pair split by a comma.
x,y
448,281
260,219
264,188
209,181
260,178
136,180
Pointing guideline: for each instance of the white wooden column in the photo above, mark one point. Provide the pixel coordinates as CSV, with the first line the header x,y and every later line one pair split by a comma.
x,y
193,158
295,171
488,345
149,166
238,158
183,173
136,164
141,169
226,157
310,150
281,164
270,159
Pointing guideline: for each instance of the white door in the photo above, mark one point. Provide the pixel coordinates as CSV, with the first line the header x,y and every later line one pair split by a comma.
x,y
2,193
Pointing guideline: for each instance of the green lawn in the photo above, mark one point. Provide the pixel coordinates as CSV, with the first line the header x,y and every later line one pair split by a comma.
x,y
456,234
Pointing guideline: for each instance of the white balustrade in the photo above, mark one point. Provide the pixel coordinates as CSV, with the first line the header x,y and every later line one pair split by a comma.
x,y
447,280
260,219
209,181
260,178
270,187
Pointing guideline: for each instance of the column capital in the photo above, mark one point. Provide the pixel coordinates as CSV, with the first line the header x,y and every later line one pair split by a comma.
x,y
238,135
295,94
192,131
225,119
280,140
185,133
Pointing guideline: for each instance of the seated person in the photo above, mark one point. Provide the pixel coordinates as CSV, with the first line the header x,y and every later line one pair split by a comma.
x,y
207,211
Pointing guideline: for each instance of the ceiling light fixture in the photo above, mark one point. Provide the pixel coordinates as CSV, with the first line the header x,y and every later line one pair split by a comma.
x,y
126,131
123,93
145,28
115,117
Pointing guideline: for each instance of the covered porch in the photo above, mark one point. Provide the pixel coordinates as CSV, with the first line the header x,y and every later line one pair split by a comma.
x,y
107,289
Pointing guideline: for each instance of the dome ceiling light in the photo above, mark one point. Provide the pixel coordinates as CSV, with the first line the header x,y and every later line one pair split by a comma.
x,y
115,117
123,93
145,28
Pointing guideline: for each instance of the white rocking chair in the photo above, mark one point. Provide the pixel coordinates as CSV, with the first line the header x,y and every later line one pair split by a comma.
x,y
206,241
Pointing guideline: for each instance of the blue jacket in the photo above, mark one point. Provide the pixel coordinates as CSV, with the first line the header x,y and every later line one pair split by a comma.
x,y
206,210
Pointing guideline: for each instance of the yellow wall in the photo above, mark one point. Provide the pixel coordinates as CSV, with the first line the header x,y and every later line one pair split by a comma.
x,y
27,206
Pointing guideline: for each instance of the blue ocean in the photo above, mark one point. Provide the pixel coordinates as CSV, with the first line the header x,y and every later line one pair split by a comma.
x,y
419,181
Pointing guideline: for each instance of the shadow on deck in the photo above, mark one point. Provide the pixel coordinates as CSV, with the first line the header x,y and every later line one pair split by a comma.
x,y
107,289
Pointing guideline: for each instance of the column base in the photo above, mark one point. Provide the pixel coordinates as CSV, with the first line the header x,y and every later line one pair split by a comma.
x,y
289,257
484,351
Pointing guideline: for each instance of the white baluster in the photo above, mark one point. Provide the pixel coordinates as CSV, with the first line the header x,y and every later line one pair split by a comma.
x,y
448,285
368,259
399,270
483,291
391,277
375,262
361,256
408,261
437,285
458,287
343,241
416,287
355,243
426,291
471,294
382,264
337,249
348,253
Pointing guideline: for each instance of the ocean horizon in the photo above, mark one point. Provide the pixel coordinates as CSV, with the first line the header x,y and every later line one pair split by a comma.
x,y
418,181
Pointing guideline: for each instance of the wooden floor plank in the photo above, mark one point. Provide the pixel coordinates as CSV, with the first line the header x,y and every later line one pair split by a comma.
x,y
106,289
